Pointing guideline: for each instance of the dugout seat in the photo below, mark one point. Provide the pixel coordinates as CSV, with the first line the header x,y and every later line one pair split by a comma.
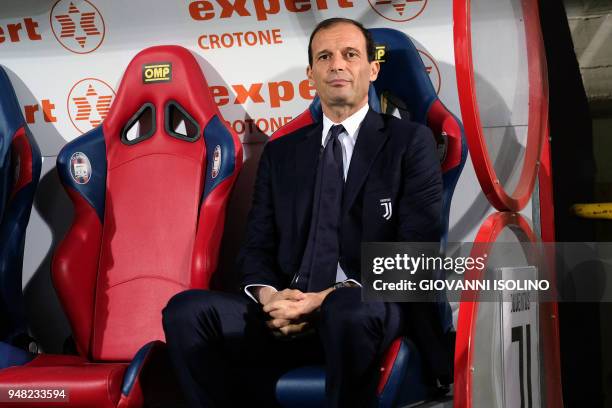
x,y
20,163
150,188
403,88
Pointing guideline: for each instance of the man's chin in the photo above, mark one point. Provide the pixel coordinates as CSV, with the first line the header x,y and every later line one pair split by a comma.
x,y
339,100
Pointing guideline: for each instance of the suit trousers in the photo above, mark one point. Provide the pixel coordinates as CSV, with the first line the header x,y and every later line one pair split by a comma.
x,y
225,356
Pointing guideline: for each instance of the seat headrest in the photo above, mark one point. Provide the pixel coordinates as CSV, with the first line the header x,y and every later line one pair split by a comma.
x,y
156,76
11,118
402,60
19,154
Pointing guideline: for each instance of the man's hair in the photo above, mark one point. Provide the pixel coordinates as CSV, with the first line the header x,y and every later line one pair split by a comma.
x,y
338,20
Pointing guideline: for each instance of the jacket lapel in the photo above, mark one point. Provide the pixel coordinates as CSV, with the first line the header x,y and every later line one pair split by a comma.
x,y
306,158
370,140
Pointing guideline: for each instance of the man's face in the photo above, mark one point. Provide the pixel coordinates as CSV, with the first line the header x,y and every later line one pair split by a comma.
x,y
340,70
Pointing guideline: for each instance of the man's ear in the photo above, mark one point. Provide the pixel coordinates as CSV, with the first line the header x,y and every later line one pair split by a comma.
x,y
374,70
309,75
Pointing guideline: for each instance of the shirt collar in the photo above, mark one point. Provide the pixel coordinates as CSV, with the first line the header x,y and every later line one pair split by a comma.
x,y
351,124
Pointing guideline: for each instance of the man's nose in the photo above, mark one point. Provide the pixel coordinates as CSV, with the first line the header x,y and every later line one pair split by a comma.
x,y
337,63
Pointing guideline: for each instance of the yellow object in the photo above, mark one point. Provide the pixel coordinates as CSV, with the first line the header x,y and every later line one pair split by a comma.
x,y
595,210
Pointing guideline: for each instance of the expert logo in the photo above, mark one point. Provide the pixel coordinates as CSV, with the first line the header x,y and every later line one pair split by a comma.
x,y
432,70
77,27
398,10
260,9
88,103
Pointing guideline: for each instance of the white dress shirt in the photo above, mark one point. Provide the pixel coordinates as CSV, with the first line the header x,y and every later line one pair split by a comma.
x,y
347,139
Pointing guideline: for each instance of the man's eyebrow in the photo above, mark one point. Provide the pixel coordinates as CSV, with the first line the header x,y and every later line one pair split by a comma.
x,y
345,49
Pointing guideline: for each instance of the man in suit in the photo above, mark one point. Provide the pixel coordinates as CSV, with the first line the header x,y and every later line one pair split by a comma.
x,y
319,194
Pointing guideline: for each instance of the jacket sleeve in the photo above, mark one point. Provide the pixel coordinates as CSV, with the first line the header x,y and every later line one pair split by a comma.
x,y
420,203
257,261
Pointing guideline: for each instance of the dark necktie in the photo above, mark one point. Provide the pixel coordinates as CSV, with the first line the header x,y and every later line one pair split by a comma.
x,y
320,261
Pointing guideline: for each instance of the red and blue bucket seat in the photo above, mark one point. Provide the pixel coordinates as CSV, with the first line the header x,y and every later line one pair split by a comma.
x,y
403,86
20,164
150,188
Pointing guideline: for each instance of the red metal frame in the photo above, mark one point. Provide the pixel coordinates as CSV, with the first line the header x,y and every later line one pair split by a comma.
x,y
538,107
552,352
468,310
468,313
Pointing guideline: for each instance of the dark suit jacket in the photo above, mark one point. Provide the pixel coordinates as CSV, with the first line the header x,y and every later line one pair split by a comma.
x,y
393,159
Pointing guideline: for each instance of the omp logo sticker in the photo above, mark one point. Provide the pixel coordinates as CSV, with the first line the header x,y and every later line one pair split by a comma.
x,y
158,72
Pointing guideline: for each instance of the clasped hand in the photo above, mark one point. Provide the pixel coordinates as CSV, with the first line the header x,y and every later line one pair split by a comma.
x,y
290,309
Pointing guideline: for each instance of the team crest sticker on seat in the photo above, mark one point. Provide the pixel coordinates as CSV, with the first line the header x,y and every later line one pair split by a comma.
x,y
80,168
216,162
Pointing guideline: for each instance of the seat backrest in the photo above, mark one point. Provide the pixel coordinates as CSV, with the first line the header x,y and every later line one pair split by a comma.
x,y
20,164
419,99
150,188
415,96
